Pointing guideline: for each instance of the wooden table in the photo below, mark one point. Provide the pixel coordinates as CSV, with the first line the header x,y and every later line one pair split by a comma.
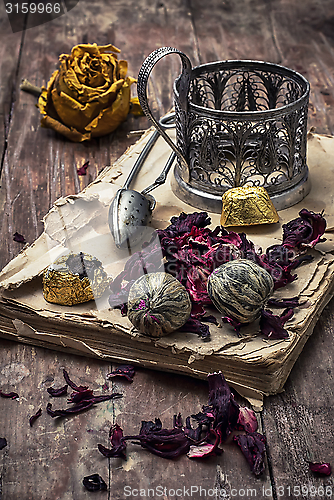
x,y
49,460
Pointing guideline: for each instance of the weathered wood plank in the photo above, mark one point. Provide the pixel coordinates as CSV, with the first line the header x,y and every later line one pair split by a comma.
x,y
299,422
295,34
10,44
49,459
57,454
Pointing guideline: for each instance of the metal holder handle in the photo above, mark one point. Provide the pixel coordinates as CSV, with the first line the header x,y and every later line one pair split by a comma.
x,y
181,88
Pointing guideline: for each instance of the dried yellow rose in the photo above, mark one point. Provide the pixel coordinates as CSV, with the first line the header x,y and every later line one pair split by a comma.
x,y
89,96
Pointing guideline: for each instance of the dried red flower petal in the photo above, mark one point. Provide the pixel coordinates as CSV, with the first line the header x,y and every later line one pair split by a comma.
x,y
84,405
83,170
166,443
127,371
247,419
34,417
77,397
304,231
55,393
196,326
72,384
202,450
118,444
253,448
19,238
82,397
272,326
323,468
94,482
10,395
223,406
3,443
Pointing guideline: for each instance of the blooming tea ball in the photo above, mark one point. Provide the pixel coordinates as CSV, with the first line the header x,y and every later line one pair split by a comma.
x,y
158,304
239,289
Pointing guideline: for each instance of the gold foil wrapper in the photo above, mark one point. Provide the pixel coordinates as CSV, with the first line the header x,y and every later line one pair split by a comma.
x,y
247,206
69,285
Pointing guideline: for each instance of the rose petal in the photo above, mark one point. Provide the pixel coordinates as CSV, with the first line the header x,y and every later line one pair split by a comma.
x,y
127,371
83,170
34,417
323,468
3,443
94,482
201,451
247,419
253,448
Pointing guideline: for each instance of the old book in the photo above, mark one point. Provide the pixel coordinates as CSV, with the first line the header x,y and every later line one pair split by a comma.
x,y
255,366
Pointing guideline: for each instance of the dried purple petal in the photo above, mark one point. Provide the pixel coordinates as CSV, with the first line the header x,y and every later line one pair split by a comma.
x,y
166,443
82,170
55,393
290,303
19,238
323,468
94,482
247,419
252,446
236,325
118,444
77,397
202,450
3,443
272,326
10,395
127,371
304,231
72,384
34,417
196,326
84,405
223,406
106,397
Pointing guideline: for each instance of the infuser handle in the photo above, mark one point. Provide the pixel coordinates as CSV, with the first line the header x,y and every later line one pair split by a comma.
x,y
182,90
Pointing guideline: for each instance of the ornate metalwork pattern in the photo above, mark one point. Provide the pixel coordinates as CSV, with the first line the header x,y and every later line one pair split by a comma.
x,y
246,126
238,123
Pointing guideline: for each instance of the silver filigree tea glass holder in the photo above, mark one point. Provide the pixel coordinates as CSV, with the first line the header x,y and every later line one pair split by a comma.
x,y
238,123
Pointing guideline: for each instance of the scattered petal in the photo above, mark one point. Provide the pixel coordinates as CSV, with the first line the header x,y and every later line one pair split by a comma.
x,y
127,371
247,419
252,446
201,451
304,231
3,443
83,170
272,326
94,483
118,444
10,395
55,393
72,384
323,468
84,405
34,417
19,238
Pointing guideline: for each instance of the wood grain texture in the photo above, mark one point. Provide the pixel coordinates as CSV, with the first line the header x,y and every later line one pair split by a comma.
x,y
49,460
299,422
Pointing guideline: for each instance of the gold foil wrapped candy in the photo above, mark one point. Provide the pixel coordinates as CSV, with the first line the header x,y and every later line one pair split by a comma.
x,y
73,279
246,206
89,96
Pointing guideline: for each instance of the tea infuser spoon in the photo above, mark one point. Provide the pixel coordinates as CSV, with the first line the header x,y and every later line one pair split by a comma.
x,y
130,211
